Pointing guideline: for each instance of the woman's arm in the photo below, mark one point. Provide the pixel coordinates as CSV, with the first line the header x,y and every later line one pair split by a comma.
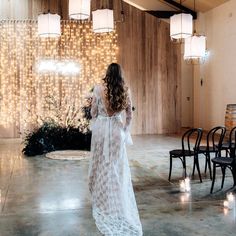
x,y
128,112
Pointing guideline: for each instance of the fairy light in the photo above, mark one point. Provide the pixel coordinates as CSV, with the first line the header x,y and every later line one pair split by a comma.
x,y
26,96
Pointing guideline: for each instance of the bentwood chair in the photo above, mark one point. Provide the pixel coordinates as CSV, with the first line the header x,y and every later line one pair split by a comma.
x,y
214,141
190,144
226,162
226,146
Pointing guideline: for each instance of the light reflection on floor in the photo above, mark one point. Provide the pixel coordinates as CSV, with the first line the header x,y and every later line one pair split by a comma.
x,y
68,204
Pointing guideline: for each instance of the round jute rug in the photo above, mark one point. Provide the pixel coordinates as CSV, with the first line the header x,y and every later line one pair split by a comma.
x,y
68,155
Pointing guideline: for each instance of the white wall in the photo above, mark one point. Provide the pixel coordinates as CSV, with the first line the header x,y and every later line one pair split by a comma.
x,y
219,70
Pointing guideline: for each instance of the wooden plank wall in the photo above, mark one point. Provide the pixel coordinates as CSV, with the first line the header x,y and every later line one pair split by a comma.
x,y
151,62
152,67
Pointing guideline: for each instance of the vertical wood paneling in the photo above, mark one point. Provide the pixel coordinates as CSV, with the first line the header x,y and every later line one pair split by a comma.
x,y
150,61
152,67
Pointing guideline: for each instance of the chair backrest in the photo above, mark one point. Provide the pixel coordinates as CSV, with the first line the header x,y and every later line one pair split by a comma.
x,y
232,142
231,137
191,139
215,138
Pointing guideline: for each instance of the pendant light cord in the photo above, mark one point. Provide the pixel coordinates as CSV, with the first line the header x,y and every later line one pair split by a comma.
x,y
122,11
194,20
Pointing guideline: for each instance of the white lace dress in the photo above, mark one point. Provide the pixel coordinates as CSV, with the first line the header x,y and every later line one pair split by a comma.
x,y
113,201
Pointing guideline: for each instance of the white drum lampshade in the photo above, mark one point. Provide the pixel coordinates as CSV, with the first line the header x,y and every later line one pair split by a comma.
x,y
49,25
79,9
103,21
195,47
181,26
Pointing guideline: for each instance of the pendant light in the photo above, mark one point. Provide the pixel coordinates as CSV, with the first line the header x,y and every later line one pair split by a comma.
x,y
79,9
195,46
49,24
181,25
103,20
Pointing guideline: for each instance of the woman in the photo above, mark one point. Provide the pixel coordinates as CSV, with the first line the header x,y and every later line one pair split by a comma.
x,y
114,206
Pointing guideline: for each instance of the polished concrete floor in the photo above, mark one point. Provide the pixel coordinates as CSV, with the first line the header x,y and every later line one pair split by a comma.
x,y
45,197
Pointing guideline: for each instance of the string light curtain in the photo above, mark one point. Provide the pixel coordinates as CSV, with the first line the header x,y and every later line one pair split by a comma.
x,y
28,97
79,9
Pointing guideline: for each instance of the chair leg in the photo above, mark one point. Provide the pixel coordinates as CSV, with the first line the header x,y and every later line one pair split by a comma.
x,y
198,168
223,176
206,156
226,152
184,166
234,176
233,170
213,177
170,168
232,152
209,164
194,164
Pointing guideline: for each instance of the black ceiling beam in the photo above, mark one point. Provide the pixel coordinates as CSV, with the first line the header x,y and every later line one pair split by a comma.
x,y
166,14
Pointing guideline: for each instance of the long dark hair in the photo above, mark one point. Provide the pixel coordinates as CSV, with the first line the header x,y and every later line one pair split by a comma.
x,y
116,91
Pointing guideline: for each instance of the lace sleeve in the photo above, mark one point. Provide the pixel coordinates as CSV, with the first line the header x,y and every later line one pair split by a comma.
x,y
128,112
94,105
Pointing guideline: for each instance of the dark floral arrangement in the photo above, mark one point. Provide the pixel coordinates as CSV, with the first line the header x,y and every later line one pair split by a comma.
x,y
54,135
50,137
